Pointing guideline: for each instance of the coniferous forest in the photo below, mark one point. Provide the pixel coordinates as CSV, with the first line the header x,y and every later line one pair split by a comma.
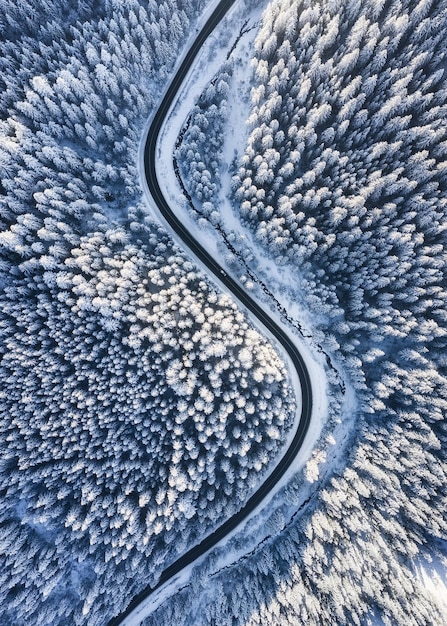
x,y
139,406
343,180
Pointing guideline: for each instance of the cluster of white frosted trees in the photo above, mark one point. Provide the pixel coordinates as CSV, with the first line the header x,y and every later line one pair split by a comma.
x,y
344,179
146,405
138,408
198,154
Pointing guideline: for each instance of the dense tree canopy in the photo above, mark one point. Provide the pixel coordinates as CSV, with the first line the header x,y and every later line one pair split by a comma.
x,y
138,407
343,180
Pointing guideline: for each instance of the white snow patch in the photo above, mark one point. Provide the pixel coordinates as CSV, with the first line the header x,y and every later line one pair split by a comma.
x,y
433,577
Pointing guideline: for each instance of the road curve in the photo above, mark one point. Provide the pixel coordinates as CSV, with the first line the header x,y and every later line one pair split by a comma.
x,y
242,296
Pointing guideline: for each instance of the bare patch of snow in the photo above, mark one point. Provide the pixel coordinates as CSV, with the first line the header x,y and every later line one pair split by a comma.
x,y
433,577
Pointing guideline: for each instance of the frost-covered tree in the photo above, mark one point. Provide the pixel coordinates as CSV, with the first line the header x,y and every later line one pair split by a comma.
x,y
197,158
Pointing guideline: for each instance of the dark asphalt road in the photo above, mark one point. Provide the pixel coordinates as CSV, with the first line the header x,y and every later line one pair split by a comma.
x,y
243,297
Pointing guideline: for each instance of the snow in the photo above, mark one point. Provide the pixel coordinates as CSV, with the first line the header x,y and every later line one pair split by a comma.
x,y
211,57
433,577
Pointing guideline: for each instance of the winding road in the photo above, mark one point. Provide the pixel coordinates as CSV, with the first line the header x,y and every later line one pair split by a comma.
x,y
247,302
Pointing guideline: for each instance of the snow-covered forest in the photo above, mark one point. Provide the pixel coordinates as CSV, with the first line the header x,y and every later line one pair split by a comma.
x,y
343,180
200,142
139,408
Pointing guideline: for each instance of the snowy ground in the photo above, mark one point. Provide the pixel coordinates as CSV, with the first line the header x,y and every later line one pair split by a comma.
x,y
434,578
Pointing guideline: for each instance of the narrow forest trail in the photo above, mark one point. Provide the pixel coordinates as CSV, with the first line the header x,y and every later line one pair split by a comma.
x,y
135,612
